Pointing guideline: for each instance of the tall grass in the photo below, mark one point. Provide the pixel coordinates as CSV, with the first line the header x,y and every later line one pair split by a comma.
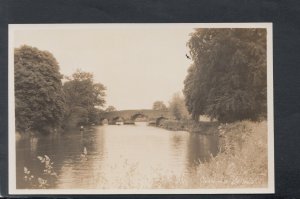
x,y
242,162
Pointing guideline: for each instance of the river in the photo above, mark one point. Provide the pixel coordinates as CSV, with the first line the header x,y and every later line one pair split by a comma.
x,y
115,156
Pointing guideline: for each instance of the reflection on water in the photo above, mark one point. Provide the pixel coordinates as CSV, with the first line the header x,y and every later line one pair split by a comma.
x,y
117,156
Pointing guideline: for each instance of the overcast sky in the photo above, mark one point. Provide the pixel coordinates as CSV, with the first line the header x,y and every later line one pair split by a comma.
x,y
137,64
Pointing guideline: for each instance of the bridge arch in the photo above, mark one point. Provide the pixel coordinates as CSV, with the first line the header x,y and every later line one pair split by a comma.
x,y
118,119
160,120
137,115
104,121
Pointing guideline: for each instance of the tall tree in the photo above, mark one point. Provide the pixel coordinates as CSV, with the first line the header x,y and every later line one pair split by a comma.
x,y
83,97
178,108
227,80
159,106
39,98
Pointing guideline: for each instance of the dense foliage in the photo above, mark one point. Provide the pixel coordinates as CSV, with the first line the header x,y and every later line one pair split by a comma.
x,y
159,106
177,107
110,109
39,99
83,96
227,80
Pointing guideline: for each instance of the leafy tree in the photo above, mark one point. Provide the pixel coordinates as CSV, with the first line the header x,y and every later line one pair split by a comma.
x,y
177,107
39,98
94,115
227,80
83,95
110,109
159,105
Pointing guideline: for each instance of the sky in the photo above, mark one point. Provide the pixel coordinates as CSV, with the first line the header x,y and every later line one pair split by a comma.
x,y
138,64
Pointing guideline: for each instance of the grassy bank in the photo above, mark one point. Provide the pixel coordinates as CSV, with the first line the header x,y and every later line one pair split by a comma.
x,y
243,161
190,126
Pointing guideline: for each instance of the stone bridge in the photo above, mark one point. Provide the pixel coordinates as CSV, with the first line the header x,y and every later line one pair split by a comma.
x,y
129,116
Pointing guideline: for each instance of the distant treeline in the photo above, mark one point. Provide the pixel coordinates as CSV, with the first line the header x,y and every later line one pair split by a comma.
x,y
43,103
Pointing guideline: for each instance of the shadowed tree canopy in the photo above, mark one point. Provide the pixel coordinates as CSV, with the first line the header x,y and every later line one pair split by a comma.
x,y
159,106
227,80
83,95
178,108
39,101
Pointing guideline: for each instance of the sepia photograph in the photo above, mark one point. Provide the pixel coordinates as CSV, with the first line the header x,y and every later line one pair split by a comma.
x,y
141,108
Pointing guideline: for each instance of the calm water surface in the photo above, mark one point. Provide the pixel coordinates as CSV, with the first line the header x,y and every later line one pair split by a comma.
x,y
118,156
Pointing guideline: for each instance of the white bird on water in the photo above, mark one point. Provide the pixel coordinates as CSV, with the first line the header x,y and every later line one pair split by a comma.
x,y
84,151
83,155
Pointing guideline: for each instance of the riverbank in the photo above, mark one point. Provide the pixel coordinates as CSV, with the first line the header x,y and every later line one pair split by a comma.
x,y
70,130
242,162
206,128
